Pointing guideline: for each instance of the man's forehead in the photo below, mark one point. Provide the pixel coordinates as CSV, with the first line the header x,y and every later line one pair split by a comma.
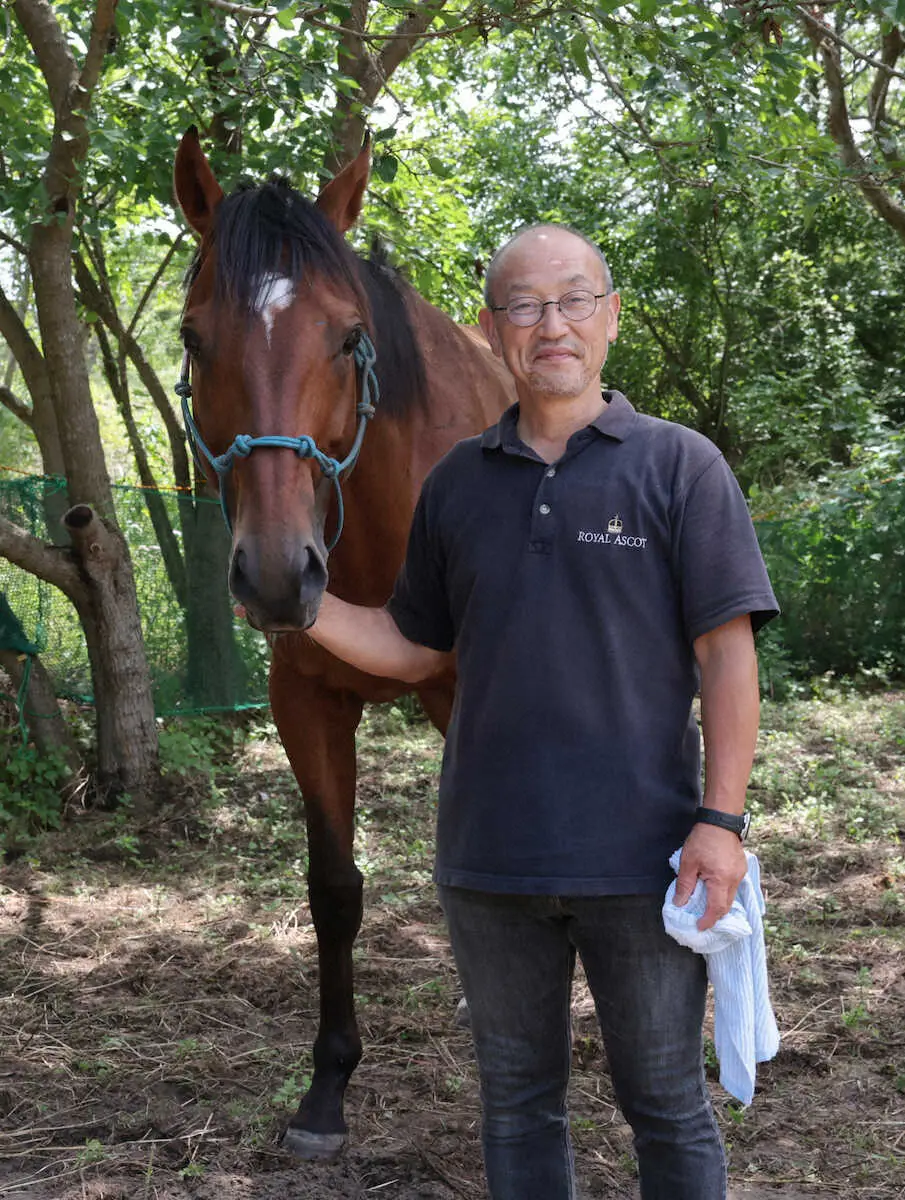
x,y
558,253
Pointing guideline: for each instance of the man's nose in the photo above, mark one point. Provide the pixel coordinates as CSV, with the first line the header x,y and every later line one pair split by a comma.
x,y
552,322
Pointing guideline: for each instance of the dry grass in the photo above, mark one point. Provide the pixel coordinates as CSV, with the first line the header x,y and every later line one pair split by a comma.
x,y
158,993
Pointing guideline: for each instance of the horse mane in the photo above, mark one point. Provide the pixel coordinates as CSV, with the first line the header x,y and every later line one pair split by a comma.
x,y
400,367
272,229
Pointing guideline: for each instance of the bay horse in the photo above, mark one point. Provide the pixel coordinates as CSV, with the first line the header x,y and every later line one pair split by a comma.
x,y
298,355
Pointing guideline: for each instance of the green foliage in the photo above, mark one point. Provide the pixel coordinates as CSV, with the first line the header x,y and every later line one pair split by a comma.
x,y
43,610
194,745
835,549
29,789
288,1093
761,305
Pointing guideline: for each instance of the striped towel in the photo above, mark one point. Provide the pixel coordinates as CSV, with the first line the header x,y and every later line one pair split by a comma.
x,y
744,1027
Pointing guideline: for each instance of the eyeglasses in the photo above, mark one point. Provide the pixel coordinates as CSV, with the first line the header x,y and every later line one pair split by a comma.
x,y
574,306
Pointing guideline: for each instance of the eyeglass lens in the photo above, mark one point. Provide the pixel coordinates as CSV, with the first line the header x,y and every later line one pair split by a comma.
x,y
574,306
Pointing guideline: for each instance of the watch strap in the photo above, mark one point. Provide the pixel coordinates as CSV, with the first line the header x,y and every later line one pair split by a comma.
x,y
736,823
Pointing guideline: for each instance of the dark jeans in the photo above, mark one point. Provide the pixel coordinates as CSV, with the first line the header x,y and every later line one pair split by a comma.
x,y
515,956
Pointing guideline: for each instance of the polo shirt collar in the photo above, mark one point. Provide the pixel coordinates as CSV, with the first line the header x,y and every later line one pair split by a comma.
x,y
614,422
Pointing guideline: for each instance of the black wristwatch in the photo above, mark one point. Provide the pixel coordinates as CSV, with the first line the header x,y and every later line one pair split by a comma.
x,y
735,823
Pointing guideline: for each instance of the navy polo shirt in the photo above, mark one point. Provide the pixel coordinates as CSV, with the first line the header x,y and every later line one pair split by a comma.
x,y
572,593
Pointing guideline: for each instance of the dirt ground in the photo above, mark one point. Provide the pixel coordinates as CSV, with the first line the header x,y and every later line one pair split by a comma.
x,y
158,989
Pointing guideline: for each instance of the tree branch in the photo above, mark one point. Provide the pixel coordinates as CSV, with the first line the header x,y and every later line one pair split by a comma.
x,y
50,563
893,46
656,144
24,348
485,18
14,242
95,298
841,132
149,290
43,31
117,378
101,26
70,94
683,379
244,10
876,101
17,407
411,28
817,31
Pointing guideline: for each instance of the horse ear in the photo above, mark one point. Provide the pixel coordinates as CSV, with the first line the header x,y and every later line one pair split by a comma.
x,y
195,184
341,198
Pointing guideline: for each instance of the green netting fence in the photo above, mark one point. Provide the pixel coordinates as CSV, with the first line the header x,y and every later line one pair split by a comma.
x,y
837,561
201,657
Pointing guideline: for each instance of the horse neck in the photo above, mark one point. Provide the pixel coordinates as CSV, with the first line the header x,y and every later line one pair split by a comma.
x,y
465,389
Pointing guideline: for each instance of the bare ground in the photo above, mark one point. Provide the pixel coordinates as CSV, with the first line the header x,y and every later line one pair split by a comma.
x,y
158,991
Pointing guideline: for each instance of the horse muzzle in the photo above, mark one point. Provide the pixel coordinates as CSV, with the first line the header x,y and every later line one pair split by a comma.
x,y
279,590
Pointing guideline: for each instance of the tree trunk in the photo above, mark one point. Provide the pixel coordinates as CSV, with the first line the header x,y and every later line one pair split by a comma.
x,y
43,718
126,729
104,590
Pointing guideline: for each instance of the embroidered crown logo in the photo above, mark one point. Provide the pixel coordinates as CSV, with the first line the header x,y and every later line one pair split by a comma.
x,y
615,525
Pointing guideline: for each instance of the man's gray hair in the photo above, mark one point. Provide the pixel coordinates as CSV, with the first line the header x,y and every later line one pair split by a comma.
x,y
496,262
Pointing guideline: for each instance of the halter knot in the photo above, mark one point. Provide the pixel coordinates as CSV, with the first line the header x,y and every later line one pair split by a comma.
x,y
329,466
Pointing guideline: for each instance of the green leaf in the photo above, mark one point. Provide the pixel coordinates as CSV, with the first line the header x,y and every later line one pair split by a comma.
x,y
707,37
439,167
578,51
386,167
384,135
266,117
286,18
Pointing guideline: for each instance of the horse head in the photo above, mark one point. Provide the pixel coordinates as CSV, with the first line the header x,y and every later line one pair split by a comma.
x,y
279,367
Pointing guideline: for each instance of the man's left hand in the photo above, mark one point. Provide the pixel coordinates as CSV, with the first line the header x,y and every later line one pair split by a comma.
x,y
715,856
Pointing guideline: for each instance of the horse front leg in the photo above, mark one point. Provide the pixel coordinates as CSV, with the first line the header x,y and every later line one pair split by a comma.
x,y
317,728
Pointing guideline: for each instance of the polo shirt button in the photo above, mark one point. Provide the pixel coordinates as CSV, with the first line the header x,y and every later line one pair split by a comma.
x,y
544,509
550,472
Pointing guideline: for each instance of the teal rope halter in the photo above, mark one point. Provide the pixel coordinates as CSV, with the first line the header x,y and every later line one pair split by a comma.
x,y
305,447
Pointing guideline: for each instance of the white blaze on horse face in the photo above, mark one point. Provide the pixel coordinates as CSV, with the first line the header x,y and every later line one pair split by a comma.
x,y
275,292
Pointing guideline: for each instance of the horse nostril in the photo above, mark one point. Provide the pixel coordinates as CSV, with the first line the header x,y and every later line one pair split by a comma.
x,y
239,583
312,575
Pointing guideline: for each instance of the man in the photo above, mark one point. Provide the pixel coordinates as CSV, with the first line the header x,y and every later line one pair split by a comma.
x,y
586,562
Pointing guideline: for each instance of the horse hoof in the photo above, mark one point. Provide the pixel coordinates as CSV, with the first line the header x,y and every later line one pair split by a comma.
x,y
463,1016
304,1144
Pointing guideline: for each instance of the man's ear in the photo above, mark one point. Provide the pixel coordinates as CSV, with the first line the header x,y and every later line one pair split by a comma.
x,y
614,300
488,328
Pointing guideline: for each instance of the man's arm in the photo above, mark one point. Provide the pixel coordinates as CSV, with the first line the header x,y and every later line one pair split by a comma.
x,y
730,709
370,639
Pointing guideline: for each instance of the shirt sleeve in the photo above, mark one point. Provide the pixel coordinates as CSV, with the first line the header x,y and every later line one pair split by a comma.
x,y
419,604
721,568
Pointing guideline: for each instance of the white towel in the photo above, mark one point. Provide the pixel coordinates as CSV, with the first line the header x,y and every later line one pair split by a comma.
x,y
744,1027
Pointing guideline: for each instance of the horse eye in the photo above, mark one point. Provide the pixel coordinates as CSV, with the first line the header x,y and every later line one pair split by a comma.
x,y
190,341
352,340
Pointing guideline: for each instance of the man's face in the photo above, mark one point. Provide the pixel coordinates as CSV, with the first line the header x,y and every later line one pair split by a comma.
x,y
555,357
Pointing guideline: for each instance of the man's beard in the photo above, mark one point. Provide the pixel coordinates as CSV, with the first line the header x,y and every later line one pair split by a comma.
x,y
566,383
